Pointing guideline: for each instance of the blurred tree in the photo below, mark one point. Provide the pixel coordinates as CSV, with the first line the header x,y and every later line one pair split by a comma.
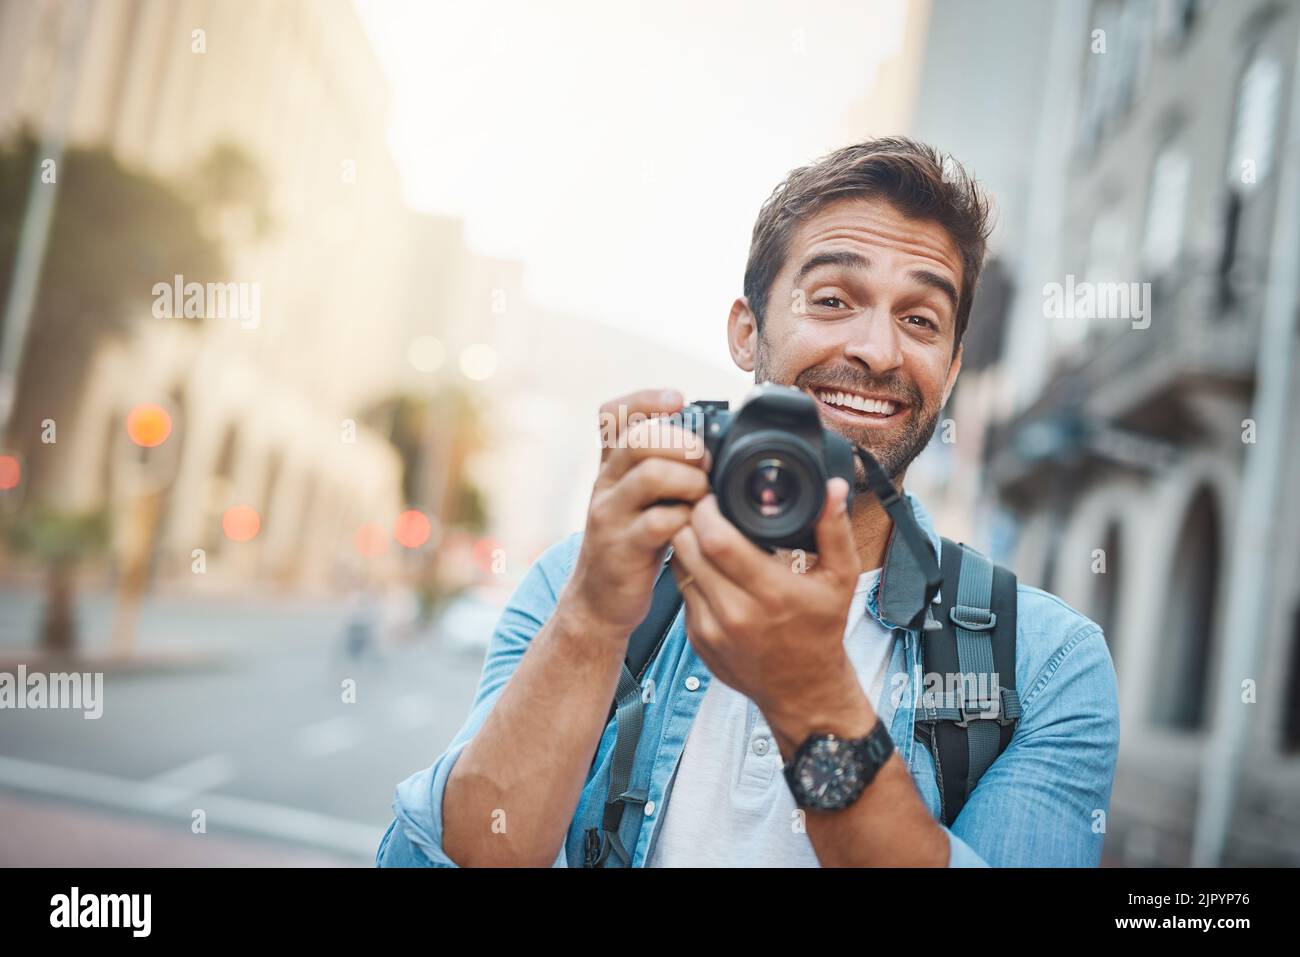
x,y
116,232
435,435
469,510
58,540
231,192
405,421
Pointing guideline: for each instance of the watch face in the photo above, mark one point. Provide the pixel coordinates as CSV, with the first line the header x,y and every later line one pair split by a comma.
x,y
828,773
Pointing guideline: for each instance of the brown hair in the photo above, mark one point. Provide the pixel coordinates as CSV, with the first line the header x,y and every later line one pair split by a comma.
x,y
916,179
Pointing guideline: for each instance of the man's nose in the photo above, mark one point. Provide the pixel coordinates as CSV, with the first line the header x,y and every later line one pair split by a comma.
x,y
874,341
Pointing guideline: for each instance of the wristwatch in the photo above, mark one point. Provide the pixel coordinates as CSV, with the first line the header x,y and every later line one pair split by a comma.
x,y
828,773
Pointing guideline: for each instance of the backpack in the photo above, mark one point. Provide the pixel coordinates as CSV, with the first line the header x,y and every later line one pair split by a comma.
x,y
973,633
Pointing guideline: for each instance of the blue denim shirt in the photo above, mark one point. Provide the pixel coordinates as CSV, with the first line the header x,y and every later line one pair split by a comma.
x,y
1043,802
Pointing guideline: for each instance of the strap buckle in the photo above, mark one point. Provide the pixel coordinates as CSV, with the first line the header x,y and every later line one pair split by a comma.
x,y
966,716
977,715
972,624
981,713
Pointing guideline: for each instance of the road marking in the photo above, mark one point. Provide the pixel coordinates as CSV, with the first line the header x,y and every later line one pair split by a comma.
x,y
196,776
329,736
223,812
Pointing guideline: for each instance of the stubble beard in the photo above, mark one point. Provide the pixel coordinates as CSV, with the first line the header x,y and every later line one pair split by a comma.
x,y
895,451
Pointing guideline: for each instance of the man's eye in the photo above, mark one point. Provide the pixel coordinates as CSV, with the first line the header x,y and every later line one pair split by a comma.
x,y
830,299
924,320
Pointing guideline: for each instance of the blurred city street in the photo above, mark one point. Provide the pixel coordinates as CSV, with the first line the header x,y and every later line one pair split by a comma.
x,y
308,307
235,708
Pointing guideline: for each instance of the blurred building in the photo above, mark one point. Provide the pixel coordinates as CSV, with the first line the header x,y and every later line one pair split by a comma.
x,y
264,415
529,382
366,305
1134,143
985,108
557,370
888,104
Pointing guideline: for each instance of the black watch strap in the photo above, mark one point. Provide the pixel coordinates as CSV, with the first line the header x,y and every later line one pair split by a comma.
x,y
870,752
875,749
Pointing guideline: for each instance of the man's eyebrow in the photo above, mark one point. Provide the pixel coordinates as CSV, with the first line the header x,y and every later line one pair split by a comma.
x,y
844,257
935,281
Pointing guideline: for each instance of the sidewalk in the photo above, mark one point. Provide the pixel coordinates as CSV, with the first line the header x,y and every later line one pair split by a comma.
x,y
60,834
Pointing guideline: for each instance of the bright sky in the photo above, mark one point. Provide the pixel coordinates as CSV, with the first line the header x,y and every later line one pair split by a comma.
x,y
622,150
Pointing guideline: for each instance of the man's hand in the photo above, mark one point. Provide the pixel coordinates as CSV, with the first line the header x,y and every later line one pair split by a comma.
x,y
764,626
533,751
642,461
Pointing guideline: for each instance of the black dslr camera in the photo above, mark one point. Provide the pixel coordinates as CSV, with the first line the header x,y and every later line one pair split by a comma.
x,y
771,462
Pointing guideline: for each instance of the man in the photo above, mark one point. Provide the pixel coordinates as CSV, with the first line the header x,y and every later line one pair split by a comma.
x,y
858,289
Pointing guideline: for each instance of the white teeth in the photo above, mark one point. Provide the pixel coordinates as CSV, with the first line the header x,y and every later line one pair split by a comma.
x,y
853,401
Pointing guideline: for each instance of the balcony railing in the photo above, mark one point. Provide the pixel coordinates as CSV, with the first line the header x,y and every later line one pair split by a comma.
x,y
1122,375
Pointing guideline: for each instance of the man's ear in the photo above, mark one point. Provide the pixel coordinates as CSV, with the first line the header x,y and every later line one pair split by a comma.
x,y
953,368
742,334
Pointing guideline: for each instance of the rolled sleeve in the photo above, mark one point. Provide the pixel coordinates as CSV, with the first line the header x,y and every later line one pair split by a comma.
x,y
417,806
415,836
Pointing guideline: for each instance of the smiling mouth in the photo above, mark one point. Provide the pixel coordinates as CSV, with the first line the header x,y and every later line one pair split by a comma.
x,y
858,406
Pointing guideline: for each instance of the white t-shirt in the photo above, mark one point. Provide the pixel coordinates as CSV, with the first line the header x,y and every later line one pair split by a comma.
x,y
730,805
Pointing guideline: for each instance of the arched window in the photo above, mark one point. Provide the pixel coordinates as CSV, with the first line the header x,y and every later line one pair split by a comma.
x,y
1252,144
1185,641
1254,126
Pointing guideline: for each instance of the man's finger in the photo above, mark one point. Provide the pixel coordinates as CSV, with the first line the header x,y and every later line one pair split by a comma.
x,y
700,621
615,414
727,548
655,527
837,555
725,598
659,479
654,438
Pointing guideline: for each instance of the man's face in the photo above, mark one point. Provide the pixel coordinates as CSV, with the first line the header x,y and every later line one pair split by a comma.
x,y
864,309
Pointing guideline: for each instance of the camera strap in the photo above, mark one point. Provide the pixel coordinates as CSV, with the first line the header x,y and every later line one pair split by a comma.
x,y
602,844
906,525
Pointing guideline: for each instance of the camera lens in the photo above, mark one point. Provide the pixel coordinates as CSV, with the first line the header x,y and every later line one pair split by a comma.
x,y
771,488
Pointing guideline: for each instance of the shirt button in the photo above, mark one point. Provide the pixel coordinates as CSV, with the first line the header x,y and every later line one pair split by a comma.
x,y
692,683
649,808
760,746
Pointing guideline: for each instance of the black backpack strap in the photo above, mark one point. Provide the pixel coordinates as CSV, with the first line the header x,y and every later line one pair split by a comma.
x,y
644,643
966,727
642,647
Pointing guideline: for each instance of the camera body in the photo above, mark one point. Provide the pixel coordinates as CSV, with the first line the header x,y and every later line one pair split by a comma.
x,y
771,461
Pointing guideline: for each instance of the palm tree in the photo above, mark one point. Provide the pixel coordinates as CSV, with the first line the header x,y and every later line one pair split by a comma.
x,y
116,232
58,540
